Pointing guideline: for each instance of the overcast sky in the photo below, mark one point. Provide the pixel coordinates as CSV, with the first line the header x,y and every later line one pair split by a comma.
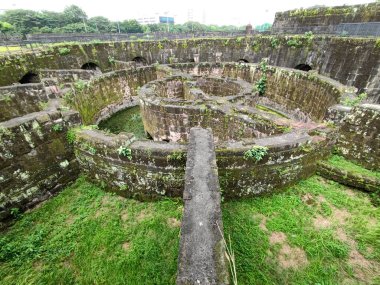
x,y
236,12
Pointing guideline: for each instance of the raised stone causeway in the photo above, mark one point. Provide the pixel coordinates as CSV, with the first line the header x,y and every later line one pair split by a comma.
x,y
202,249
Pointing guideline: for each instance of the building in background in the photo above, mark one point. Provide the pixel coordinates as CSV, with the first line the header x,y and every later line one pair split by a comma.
x,y
156,20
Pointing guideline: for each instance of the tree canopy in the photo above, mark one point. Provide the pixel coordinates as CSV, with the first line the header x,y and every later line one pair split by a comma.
x,y
74,20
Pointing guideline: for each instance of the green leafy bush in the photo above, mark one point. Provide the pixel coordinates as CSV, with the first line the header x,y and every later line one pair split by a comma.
x,y
64,51
294,43
176,155
274,43
125,151
257,152
355,101
261,85
57,128
71,136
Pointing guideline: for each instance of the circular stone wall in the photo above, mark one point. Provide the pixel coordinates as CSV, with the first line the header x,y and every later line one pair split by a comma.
x,y
171,106
218,96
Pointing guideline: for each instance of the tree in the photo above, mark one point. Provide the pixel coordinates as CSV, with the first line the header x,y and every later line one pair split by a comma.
x,y
74,14
131,26
153,28
52,19
100,24
22,20
6,27
73,28
194,27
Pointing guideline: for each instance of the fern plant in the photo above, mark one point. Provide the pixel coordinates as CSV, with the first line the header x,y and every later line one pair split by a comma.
x,y
256,153
125,151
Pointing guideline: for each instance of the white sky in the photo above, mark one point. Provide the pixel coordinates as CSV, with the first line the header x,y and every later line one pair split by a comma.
x,y
236,12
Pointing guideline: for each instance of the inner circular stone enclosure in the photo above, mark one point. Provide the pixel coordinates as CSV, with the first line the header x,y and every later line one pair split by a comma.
x,y
215,96
177,97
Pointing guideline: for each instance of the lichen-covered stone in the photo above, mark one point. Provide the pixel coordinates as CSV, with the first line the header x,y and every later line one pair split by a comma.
x,y
36,159
359,136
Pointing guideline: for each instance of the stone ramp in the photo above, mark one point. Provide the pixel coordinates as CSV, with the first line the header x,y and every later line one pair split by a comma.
x,y
202,251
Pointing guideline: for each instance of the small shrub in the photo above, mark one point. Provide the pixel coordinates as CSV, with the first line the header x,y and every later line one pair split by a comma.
x,y
91,149
239,39
377,43
43,105
309,37
125,151
257,152
176,155
261,85
64,51
274,43
57,128
79,85
111,59
71,136
15,212
68,98
294,43
355,101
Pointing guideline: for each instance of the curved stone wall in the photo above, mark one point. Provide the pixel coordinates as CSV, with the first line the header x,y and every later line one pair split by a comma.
x,y
351,61
310,93
113,90
149,169
157,169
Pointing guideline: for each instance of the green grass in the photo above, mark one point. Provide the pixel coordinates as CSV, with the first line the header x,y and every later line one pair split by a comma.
x,y
128,120
270,111
341,163
328,260
9,48
78,236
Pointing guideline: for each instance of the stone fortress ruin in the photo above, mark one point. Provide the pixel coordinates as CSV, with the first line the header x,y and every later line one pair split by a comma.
x,y
239,116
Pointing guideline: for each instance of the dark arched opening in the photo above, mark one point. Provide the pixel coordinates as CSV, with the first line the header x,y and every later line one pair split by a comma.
x,y
140,61
90,66
304,67
30,77
242,60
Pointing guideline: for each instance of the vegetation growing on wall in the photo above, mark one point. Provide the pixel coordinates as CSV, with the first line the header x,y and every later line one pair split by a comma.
x,y
256,153
261,84
351,102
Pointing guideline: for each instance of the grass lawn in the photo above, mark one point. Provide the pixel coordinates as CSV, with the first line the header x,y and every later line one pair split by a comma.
x,y
341,163
128,120
87,236
317,232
